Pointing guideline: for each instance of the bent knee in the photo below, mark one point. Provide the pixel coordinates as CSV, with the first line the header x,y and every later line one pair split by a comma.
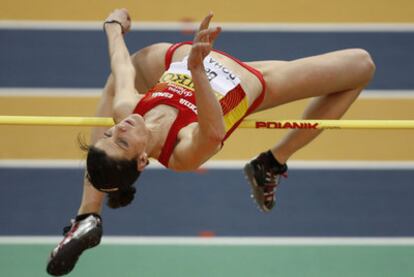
x,y
363,63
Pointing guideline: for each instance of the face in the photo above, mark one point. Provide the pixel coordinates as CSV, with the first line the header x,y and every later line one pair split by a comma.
x,y
126,140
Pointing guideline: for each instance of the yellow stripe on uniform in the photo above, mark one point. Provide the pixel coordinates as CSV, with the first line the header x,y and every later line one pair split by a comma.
x,y
236,114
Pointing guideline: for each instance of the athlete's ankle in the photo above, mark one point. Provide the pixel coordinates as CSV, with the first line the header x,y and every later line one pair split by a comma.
x,y
275,162
280,156
86,215
89,210
269,161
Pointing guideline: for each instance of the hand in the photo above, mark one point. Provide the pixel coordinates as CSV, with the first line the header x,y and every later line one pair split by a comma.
x,y
203,43
121,17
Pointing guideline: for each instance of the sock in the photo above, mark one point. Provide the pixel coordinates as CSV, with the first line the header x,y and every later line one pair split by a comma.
x,y
83,216
80,217
274,163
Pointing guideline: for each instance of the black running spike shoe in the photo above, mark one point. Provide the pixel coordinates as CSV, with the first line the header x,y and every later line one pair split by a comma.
x,y
84,232
263,177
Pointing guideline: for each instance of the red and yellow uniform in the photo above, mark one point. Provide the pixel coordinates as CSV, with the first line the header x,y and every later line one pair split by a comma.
x,y
176,89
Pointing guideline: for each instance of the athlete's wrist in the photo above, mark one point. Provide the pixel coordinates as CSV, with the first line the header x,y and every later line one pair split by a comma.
x,y
113,24
196,68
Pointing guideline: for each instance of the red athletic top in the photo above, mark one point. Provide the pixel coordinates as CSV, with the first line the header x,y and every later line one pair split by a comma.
x,y
178,97
176,90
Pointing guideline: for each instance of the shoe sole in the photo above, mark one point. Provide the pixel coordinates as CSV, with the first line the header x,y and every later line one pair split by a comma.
x,y
66,257
256,190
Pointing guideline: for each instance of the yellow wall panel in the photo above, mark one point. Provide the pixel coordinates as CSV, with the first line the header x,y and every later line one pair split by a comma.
x,y
20,142
231,10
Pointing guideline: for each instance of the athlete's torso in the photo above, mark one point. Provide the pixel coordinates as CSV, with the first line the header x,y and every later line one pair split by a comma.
x,y
175,91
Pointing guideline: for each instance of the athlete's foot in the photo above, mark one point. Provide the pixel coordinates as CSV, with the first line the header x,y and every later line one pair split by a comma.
x,y
84,232
263,175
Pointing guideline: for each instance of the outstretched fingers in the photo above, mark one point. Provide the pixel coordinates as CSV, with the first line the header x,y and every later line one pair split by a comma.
x,y
206,22
214,34
203,42
207,35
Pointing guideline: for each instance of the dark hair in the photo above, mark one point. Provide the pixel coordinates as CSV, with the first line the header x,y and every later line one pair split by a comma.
x,y
106,173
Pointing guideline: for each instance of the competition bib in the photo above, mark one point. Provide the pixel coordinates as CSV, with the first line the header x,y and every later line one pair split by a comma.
x,y
221,79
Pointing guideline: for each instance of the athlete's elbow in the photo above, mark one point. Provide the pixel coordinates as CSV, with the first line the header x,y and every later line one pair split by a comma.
x,y
121,109
216,135
122,71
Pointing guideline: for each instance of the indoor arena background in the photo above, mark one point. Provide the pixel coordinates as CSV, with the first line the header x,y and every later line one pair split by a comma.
x,y
346,208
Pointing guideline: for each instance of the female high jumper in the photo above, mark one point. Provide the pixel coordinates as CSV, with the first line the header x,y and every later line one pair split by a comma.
x,y
193,97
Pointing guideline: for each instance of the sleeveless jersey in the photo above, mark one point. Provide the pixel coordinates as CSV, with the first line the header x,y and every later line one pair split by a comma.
x,y
176,89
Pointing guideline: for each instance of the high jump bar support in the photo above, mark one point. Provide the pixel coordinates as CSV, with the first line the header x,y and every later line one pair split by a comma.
x,y
247,123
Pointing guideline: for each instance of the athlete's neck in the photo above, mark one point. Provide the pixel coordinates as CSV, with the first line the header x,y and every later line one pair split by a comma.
x,y
158,123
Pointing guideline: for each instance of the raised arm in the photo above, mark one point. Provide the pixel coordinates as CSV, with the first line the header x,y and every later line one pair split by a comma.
x,y
116,25
207,137
210,115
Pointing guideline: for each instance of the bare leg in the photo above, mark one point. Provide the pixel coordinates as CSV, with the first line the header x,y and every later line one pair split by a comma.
x,y
334,79
92,199
331,106
86,230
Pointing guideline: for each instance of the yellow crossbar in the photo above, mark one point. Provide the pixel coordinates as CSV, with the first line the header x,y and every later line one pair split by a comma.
x,y
56,121
248,123
328,124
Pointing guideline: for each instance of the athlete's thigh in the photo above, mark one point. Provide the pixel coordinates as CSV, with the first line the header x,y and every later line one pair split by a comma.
x,y
312,76
149,65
